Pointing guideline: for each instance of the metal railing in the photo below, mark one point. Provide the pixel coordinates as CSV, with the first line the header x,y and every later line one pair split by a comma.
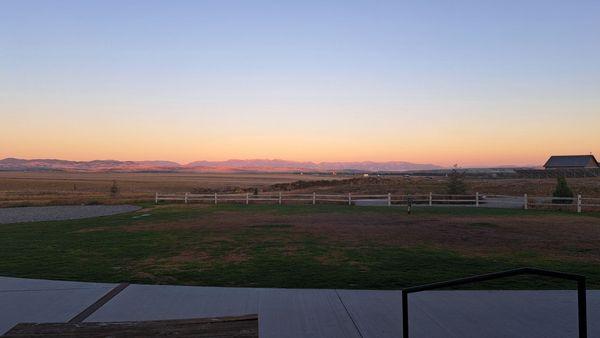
x,y
580,279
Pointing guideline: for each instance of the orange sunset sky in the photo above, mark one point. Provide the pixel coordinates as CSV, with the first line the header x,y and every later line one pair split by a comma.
x,y
474,84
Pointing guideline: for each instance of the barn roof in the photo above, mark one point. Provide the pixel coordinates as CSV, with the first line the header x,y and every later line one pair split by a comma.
x,y
570,161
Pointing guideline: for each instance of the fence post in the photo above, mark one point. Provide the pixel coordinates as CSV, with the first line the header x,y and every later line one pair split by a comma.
x,y
430,199
247,198
314,198
579,203
185,199
389,199
280,198
477,199
215,198
525,202
156,198
349,199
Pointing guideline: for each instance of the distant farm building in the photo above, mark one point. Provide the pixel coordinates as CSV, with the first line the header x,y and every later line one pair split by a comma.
x,y
571,162
568,166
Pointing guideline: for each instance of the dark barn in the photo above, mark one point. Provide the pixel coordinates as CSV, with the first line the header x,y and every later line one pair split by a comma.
x,y
566,165
571,162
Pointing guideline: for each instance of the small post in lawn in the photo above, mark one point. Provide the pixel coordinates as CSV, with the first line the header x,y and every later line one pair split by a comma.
x,y
216,198
349,199
476,200
430,199
579,203
185,198
247,198
280,198
409,204
389,199
525,202
314,198
156,198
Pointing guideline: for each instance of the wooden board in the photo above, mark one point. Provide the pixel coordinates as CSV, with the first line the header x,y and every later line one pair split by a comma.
x,y
243,327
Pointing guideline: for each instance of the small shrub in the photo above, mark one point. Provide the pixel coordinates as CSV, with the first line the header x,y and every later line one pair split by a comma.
x,y
202,190
226,189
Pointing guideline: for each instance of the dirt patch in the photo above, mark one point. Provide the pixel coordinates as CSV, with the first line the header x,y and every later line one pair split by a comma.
x,y
271,226
95,229
472,235
235,257
188,256
162,279
333,257
290,250
195,256
546,236
214,221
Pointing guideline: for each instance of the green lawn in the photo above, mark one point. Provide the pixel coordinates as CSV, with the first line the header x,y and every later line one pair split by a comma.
x,y
270,246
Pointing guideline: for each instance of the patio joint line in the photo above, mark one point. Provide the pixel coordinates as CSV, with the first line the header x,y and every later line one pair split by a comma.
x,y
83,315
348,313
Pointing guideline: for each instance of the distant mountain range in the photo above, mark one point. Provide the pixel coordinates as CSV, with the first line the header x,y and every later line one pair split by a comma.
x,y
257,165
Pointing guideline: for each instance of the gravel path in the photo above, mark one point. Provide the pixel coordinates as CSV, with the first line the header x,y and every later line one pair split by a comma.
x,y
60,213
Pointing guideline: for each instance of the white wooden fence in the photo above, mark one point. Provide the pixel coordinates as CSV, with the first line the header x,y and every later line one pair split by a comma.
x,y
577,203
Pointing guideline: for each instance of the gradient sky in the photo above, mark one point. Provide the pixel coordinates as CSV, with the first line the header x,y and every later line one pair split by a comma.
x,y
468,82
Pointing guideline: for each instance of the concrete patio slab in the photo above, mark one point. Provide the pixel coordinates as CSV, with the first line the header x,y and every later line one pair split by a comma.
x,y
376,313
494,314
309,312
159,302
472,313
303,313
282,312
43,301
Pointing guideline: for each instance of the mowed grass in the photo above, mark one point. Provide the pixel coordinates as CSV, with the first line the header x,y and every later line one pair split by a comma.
x,y
304,246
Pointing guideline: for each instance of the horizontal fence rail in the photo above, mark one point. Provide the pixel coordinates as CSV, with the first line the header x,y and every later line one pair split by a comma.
x,y
577,203
580,279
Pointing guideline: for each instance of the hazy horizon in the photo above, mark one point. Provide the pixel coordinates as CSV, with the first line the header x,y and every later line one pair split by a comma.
x,y
468,82
272,160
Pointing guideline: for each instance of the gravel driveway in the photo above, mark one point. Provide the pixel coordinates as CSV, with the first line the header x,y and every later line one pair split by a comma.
x,y
60,213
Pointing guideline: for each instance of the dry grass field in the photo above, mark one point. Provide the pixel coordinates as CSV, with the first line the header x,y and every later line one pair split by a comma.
x,y
51,188
589,187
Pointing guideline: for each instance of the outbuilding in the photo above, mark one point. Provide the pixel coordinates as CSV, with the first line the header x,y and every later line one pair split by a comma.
x,y
572,162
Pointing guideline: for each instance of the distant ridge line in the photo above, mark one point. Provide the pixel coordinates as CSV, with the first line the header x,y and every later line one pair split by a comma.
x,y
233,165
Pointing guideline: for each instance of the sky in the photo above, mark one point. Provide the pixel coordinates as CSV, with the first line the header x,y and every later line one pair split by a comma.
x,y
476,83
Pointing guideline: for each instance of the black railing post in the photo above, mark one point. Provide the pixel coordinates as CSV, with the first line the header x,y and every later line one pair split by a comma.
x,y
580,279
404,314
582,308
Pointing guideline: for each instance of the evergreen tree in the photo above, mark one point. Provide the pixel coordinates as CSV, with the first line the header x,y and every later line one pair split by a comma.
x,y
562,190
456,184
114,189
